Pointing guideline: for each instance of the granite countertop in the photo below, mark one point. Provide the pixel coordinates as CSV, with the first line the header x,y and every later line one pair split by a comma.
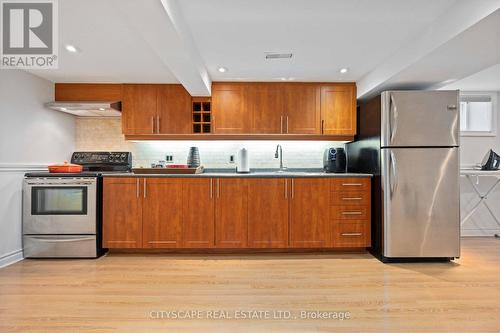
x,y
254,173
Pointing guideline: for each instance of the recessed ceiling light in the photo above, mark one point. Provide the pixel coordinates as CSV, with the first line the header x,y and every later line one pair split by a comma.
x,y
343,70
102,109
63,109
222,69
71,48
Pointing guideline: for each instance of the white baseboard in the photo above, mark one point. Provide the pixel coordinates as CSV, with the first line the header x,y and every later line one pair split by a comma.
x,y
10,258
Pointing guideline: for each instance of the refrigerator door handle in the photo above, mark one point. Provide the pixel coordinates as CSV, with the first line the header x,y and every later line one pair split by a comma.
x,y
393,178
393,118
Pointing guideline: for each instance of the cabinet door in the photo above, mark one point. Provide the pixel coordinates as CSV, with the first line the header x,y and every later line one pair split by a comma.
x,y
162,212
264,103
338,109
302,108
229,112
197,213
309,208
122,213
139,108
231,212
174,110
268,213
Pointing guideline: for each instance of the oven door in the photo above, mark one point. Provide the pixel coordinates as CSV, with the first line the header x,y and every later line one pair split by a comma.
x,y
56,206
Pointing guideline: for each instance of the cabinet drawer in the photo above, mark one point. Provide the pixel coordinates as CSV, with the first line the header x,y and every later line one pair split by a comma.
x,y
351,184
351,212
352,198
351,235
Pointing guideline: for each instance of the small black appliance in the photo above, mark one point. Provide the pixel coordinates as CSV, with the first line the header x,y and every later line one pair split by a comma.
x,y
491,161
334,160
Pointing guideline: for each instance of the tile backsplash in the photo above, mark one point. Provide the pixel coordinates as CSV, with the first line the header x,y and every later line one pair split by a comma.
x,y
101,134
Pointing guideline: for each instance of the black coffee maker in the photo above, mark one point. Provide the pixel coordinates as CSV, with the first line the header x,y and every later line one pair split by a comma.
x,y
334,160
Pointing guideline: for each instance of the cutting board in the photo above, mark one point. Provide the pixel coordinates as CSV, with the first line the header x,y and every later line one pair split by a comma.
x,y
171,171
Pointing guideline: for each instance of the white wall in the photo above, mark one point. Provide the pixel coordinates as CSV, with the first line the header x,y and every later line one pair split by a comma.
x,y
105,134
473,148
30,138
472,151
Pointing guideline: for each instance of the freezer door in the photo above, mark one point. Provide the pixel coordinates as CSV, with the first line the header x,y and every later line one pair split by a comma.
x,y
420,119
421,202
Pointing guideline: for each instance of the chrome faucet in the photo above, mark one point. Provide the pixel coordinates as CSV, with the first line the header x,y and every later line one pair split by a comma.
x,y
279,153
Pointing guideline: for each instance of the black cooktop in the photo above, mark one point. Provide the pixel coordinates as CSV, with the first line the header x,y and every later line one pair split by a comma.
x,y
66,175
95,164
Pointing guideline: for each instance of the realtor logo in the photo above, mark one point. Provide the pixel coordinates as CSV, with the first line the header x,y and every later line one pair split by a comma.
x,y
29,34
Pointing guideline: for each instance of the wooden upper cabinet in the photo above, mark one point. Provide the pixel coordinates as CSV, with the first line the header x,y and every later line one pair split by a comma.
x,y
174,110
264,104
302,108
310,225
231,212
139,108
229,114
338,109
162,212
268,212
198,213
122,213
86,92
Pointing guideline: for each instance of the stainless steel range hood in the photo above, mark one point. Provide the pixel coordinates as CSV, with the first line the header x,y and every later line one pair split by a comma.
x,y
88,109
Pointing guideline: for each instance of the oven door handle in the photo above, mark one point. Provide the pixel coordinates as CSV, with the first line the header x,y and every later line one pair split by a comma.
x,y
55,184
61,240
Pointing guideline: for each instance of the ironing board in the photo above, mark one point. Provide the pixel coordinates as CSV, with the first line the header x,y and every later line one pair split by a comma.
x,y
477,173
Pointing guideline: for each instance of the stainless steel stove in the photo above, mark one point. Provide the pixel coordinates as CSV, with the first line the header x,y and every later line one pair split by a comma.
x,y
62,212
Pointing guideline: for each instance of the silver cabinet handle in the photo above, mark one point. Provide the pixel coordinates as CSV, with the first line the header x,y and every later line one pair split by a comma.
x,y
351,234
158,124
211,188
286,124
145,187
218,187
347,199
351,213
137,187
351,184
153,125
292,190
286,189
281,124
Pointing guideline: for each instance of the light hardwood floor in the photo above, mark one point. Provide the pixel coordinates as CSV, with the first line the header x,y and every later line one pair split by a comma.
x,y
117,293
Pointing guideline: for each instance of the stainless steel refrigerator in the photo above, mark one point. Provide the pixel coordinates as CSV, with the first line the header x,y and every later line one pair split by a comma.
x,y
409,140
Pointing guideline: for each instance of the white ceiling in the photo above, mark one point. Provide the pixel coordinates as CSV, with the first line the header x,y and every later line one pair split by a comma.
x,y
184,41
485,80
324,35
112,50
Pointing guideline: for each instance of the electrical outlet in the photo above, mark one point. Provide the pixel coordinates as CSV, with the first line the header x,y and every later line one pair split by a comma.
x,y
231,158
169,158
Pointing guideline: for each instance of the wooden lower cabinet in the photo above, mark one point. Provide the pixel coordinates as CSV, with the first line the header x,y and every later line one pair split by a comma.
x,y
353,234
162,213
310,225
231,212
268,212
236,213
122,213
350,212
198,213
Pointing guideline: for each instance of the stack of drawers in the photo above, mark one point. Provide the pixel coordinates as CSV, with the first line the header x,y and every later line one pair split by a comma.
x,y
350,212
